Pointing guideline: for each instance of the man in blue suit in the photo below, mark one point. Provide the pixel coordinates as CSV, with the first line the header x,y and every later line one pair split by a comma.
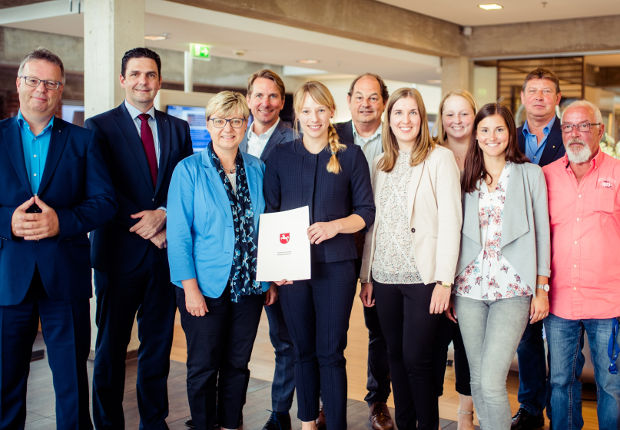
x,y
141,147
265,98
55,189
540,138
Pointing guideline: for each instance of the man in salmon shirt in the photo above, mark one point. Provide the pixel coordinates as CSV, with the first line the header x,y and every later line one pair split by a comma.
x,y
584,212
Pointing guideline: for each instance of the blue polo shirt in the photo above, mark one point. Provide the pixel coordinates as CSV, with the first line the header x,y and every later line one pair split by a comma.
x,y
35,150
532,149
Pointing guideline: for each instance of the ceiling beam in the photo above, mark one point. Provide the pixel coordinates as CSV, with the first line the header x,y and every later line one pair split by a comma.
x,y
364,20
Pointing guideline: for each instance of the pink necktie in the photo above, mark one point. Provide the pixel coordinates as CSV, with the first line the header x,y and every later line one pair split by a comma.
x,y
149,145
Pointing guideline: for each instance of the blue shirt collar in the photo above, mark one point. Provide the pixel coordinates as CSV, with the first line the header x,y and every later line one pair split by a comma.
x,y
134,111
546,129
23,124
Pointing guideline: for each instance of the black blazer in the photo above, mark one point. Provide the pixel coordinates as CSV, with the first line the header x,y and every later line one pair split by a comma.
x,y
282,134
554,148
345,132
114,247
76,184
294,177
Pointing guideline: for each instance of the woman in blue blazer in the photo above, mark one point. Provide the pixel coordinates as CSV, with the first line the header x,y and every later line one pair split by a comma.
x,y
333,180
503,267
214,203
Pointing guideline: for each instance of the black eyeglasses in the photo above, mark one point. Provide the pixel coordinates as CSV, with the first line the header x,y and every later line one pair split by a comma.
x,y
34,82
221,122
583,127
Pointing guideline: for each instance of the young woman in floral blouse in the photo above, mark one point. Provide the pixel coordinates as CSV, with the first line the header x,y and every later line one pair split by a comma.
x,y
503,268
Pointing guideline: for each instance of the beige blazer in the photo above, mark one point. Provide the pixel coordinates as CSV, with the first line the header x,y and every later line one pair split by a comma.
x,y
434,202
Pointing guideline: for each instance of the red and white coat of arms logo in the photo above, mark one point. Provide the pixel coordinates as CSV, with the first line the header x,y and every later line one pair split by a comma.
x,y
284,238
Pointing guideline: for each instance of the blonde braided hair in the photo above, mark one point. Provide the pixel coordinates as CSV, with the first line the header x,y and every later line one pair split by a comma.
x,y
320,94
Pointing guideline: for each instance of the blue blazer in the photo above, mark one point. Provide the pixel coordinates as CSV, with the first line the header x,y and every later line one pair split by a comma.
x,y
114,247
76,184
554,148
294,177
281,135
201,237
526,241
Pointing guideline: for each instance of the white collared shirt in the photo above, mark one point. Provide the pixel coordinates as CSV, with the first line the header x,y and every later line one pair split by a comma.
x,y
256,143
134,113
371,146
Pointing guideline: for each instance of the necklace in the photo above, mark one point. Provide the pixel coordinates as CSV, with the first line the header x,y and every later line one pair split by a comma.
x,y
230,171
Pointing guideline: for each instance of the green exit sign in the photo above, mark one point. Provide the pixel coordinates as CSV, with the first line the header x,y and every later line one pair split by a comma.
x,y
199,50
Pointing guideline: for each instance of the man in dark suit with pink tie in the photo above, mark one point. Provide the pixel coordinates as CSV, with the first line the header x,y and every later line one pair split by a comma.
x,y
141,147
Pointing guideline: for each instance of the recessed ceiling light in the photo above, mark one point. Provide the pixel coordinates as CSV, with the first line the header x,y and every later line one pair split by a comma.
x,y
308,61
162,36
491,6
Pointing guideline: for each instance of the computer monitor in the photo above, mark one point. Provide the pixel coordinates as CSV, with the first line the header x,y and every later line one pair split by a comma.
x,y
195,116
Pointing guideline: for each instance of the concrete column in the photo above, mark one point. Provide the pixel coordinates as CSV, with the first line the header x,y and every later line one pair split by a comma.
x,y
111,27
456,73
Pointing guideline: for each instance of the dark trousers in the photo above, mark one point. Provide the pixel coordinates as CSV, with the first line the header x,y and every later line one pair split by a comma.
x,y
378,371
450,332
411,333
378,382
148,295
283,386
317,313
532,369
66,330
219,346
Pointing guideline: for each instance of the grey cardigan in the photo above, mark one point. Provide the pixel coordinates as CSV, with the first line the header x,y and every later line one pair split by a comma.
x,y
525,225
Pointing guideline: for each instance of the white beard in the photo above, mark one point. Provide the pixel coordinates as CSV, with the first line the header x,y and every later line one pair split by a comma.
x,y
580,156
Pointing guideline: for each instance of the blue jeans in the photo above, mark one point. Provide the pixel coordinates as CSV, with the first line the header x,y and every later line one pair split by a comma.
x,y
491,332
565,342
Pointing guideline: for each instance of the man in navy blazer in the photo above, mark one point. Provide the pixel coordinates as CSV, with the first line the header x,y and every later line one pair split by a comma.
x,y
141,147
540,138
367,97
55,189
265,98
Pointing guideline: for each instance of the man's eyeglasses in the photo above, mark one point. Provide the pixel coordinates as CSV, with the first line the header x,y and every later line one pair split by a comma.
x,y
221,122
34,82
583,127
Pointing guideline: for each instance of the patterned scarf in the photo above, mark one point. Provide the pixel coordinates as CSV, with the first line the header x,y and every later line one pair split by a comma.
x,y
243,271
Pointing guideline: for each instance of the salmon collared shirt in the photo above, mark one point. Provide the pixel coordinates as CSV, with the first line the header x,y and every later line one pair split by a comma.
x,y
585,239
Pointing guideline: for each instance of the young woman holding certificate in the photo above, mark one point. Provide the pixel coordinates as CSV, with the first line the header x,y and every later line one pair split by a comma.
x,y
214,203
331,178
410,253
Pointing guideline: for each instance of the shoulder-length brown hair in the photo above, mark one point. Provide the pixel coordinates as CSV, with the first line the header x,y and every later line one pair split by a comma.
x,y
475,169
423,144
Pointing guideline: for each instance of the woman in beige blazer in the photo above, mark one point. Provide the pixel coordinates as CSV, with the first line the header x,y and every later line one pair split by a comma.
x,y
411,253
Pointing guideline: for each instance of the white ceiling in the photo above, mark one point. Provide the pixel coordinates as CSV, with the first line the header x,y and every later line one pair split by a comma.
x,y
467,12
271,43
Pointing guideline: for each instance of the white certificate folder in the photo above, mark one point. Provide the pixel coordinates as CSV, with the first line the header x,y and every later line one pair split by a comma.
x,y
283,246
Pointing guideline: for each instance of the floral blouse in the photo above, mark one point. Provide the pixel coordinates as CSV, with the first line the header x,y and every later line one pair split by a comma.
x,y
394,262
490,276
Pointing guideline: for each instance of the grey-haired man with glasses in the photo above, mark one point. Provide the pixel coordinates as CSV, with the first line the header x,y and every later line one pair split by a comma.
x,y
55,189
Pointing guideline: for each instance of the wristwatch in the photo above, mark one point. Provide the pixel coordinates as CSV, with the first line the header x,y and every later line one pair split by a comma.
x,y
445,284
544,287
